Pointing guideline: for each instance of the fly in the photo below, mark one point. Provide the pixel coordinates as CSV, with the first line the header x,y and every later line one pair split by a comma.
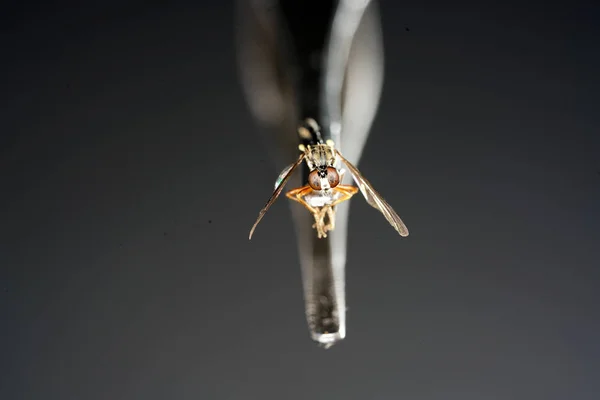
x,y
323,191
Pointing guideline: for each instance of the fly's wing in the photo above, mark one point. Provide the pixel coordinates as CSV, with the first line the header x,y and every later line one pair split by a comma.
x,y
283,174
374,199
277,192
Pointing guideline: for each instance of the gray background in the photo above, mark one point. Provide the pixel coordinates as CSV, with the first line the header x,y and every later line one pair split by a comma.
x,y
131,171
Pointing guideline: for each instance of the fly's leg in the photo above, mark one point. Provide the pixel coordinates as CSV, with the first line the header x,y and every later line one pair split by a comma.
x,y
330,219
298,195
319,224
346,192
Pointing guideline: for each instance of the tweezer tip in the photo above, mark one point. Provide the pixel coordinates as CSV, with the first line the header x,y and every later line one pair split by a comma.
x,y
326,340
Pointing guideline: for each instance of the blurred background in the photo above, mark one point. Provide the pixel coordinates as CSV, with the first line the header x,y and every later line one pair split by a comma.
x,y
131,170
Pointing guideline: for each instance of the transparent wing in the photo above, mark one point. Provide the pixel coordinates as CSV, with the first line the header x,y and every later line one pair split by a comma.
x,y
282,175
374,199
277,192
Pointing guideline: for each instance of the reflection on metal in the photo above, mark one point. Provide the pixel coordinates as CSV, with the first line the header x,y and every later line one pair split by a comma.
x,y
322,60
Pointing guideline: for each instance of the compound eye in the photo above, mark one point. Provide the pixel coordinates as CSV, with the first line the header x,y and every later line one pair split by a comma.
x,y
314,180
333,177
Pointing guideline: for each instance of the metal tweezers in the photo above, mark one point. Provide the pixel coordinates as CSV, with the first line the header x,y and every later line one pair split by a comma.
x,y
318,59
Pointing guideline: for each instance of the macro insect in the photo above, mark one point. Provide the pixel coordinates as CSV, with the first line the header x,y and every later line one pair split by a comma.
x,y
324,191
